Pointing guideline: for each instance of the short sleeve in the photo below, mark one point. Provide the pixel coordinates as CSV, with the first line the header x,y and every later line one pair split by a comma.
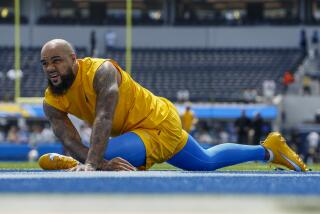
x,y
54,101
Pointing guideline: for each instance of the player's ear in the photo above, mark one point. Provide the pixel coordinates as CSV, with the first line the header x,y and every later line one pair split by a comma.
x,y
74,57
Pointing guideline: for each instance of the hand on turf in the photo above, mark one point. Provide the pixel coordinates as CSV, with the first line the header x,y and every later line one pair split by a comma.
x,y
82,167
117,164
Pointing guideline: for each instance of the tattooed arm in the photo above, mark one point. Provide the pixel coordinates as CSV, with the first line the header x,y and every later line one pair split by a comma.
x,y
106,87
105,84
66,132
70,138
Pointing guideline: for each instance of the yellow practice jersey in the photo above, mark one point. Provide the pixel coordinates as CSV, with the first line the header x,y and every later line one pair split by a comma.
x,y
187,120
137,107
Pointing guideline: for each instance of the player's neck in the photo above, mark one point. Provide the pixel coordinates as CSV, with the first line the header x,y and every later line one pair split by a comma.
x,y
75,68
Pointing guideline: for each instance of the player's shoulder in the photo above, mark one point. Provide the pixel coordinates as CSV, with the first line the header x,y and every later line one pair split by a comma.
x,y
47,94
89,61
49,97
57,102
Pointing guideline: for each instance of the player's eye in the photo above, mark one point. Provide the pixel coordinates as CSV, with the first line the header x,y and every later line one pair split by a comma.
x,y
56,61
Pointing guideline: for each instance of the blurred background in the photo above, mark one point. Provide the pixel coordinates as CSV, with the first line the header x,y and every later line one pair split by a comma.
x,y
236,70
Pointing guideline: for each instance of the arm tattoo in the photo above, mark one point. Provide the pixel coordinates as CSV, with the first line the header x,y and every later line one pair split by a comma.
x,y
106,87
66,132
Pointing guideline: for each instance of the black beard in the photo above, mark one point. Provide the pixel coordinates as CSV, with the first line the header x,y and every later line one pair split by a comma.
x,y
66,82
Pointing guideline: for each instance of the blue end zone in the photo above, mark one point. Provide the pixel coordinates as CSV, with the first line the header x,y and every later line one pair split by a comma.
x,y
248,182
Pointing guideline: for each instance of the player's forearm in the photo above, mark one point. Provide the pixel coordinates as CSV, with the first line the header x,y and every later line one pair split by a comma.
x,y
106,87
66,132
71,140
77,150
99,140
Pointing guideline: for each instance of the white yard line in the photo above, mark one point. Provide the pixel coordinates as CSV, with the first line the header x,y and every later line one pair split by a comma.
x,y
144,174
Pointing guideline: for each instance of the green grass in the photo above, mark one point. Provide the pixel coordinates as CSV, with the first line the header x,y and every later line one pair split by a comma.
x,y
239,167
19,165
164,166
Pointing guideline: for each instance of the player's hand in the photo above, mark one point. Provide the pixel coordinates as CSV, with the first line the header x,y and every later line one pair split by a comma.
x,y
82,167
117,164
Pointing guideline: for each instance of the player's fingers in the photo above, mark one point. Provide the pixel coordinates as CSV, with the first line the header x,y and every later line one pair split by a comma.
x,y
122,168
127,167
119,166
123,161
71,169
131,168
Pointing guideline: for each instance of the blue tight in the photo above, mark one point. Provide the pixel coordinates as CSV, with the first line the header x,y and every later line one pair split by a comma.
x,y
192,157
128,146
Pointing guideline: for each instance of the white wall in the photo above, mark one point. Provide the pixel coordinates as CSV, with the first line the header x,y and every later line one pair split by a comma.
x,y
300,108
160,36
254,36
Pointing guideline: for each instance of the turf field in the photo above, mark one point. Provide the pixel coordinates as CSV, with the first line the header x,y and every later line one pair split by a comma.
x,y
251,188
164,166
249,178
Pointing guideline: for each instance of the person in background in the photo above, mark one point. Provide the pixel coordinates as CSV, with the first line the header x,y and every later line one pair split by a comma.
x,y
13,135
242,125
257,126
48,135
306,85
188,119
23,134
315,41
110,40
36,135
312,147
93,42
268,90
315,37
288,78
303,41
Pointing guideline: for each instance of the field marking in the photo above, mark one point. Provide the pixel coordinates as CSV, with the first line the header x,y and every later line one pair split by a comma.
x,y
148,174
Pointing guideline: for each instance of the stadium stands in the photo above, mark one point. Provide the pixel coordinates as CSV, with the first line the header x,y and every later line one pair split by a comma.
x,y
208,74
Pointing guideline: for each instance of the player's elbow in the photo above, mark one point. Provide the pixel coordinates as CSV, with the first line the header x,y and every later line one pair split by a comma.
x,y
113,91
104,118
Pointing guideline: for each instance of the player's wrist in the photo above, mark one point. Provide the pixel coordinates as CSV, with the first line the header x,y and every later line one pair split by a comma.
x,y
92,164
103,165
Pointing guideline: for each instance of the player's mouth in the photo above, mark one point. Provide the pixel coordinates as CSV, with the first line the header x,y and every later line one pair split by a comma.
x,y
54,77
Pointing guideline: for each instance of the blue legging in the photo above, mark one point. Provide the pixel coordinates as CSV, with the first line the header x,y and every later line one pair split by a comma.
x,y
192,157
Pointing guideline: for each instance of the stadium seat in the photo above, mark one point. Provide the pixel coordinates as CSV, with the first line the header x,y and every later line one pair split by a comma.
x,y
208,74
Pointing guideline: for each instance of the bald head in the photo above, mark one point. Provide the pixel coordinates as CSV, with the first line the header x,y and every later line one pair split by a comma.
x,y
59,62
58,44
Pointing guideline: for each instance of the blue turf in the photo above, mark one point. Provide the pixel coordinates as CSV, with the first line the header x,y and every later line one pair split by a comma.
x,y
248,182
